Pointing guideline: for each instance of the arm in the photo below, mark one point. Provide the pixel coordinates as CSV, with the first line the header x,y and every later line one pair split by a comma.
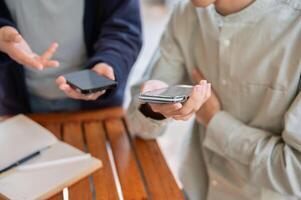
x,y
119,40
167,65
274,162
269,161
116,48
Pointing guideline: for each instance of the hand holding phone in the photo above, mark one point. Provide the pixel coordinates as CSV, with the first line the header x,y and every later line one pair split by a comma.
x,y
154,89
88,81
88,85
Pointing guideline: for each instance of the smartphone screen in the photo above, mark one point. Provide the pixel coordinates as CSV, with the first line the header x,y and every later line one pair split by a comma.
x,y
171,92
87,81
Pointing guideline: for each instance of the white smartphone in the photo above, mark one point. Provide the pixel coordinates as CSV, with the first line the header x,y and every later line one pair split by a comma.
x,y
172,94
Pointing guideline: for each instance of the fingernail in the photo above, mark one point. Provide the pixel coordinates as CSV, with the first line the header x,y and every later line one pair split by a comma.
x,y
178,106
57,64
199,88
203,82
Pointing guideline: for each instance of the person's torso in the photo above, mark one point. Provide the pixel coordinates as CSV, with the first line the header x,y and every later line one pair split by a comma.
x,y
43,22
252,58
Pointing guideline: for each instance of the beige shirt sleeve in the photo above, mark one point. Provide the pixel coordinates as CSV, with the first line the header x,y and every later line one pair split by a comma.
x,y
167,65
274,162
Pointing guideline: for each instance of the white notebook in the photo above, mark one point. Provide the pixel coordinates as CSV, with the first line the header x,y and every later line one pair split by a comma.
x,y
19,137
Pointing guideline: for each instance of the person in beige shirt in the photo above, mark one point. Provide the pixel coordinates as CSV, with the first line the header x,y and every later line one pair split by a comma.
x,y
246,141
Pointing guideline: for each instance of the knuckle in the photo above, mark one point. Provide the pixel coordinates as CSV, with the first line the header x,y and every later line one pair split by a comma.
x,y
176,118
174,107
185,118
183,112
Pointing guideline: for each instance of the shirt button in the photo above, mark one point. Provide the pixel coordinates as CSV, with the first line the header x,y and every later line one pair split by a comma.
x,y
224,82
214,183
169,46
227,43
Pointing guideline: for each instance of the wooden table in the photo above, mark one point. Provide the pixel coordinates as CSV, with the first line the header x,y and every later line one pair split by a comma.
x,y
140,165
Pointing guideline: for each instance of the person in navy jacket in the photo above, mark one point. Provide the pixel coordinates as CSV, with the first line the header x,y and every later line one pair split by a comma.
x,y
101,35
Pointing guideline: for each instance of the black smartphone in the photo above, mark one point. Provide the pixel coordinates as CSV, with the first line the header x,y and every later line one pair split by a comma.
x,y
88,81
172,94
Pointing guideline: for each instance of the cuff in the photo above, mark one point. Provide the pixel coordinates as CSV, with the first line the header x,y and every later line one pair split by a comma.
x,y
143,126
219,132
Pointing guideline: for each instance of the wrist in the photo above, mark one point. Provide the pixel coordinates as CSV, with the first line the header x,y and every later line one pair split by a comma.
x,y
210,117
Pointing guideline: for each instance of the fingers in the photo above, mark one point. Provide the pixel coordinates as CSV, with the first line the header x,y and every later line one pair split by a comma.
x,y
44,60
72,93
104,70
200,94
29,60
47,55
75,94
166,109
51,63
50,51
60,80
18,49
183,118
26,57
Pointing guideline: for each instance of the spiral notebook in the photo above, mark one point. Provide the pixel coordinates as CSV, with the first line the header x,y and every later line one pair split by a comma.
x,y
19,137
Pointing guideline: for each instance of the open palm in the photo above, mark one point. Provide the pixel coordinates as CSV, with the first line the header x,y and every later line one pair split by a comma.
x,y
13,44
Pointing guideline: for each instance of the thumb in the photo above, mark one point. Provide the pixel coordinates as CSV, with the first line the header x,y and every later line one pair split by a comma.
x,y
10,34
153,85
199,94
105,70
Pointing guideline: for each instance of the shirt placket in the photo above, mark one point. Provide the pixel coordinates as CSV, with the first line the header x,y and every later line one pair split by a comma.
x,y
224,63
224,85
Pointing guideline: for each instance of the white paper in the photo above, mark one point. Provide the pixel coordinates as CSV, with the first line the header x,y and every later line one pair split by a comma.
x,y
20,137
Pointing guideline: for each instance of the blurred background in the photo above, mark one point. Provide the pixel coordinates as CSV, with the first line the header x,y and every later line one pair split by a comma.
x,y
155,14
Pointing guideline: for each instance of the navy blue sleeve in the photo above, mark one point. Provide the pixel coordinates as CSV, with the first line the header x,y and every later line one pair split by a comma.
x,y
119,40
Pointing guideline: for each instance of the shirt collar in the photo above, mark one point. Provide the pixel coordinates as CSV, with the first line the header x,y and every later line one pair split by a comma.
x,y
247,14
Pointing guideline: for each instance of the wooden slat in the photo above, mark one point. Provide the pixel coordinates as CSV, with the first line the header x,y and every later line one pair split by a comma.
x,y
155,174
56,130
127,168
72,134
103,179
2,118
2,197
159,178
78,116
57,197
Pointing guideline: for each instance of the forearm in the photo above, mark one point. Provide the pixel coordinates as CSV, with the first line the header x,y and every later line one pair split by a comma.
x,y
272,162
